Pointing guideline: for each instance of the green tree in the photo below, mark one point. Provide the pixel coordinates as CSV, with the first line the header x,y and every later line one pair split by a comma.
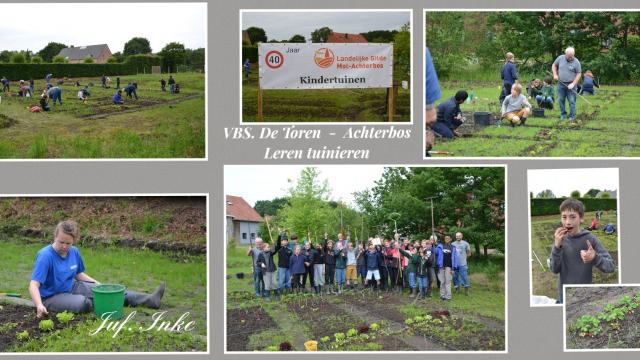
x,y
380,36
270,207
120,58
297,39
173,54
59,60
36,60
137,45
112,60
446,37
18,58
321,35
256,35
5,56
402,53
195,57
575,194
605,195
546,194
88,60
51,50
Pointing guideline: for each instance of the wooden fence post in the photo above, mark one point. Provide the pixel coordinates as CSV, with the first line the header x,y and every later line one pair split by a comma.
x,y
260,116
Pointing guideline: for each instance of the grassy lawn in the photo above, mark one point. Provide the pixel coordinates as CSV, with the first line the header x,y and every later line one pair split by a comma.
x,y
297,318
158,125
140,270
542,229
325,105
607,127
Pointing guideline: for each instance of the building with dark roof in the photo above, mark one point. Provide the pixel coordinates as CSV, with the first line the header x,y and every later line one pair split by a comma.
x,y
77,54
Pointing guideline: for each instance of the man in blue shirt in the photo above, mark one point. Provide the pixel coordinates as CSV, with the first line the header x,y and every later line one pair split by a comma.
x,y
59,281
449,116
509,76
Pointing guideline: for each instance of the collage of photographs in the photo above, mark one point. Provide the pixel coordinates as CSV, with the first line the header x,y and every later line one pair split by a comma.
x,y
138,216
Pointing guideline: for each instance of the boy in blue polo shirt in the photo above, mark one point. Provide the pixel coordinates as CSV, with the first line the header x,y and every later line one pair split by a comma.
x,y
59,281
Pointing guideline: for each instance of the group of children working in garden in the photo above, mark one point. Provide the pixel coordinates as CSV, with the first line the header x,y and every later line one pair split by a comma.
x,y
385,265
54,93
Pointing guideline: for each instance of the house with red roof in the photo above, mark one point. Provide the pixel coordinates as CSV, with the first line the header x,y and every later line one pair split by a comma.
x,y
336,37
242,220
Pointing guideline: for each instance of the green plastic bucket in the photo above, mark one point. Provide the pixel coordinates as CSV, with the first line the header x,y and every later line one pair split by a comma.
x,y
109,298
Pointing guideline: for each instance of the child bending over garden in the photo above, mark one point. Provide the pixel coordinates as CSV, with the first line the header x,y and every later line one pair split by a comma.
x,y
575,252
59,281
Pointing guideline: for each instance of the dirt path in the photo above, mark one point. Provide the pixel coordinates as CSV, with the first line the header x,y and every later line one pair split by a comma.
x,y
150,106
420,343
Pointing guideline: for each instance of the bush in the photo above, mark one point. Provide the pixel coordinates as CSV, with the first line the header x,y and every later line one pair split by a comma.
x,y
89,60
39,71
251,53
36,60
59,60
540,207
18,58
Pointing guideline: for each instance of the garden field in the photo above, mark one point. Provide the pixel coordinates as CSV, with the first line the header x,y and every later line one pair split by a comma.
x,y
157,125
608,127
366,320
327,105
605,317
544,282
111,256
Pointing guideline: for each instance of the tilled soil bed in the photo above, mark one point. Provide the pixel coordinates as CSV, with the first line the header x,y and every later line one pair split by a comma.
x,y
18,318
242,323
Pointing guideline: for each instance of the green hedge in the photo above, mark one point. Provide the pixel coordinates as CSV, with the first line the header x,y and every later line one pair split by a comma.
x,y
143,63
540,207
250,52
39,71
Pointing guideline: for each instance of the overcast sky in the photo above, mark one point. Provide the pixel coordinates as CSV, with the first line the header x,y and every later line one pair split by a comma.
x,y
33,26
563,181
283,25
267,182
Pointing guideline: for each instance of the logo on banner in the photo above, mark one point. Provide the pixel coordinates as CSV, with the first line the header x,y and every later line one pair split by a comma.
x,y
274,59
323,57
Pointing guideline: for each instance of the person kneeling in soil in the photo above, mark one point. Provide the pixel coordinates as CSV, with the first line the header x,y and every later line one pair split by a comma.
x,y
588,83
83,94
131,90
516,108
548,93
449,116
44,103
575,252
117,98
59,281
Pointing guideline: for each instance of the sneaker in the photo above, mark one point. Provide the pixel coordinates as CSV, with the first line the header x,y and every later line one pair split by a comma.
x,y
572,119
562,117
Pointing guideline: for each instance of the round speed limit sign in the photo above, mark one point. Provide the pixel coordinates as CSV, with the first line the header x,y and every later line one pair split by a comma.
x,y
274,59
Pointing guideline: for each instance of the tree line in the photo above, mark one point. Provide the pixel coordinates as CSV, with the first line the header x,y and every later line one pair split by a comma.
x,y
608,43
470,200
170,56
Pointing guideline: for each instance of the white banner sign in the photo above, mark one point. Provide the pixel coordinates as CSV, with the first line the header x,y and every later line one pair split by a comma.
x,y
325,65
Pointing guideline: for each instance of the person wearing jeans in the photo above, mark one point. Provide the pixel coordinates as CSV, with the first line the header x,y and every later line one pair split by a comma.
x,y
567,71
258,282
463,251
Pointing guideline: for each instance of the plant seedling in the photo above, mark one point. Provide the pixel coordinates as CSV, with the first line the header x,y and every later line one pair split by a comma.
x,y
325,339
46,325
588,326
22,336
339,336
352,332
65,317
374,327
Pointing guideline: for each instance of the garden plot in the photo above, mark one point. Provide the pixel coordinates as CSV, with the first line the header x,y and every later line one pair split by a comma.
x,y
603,317
607,127
158,124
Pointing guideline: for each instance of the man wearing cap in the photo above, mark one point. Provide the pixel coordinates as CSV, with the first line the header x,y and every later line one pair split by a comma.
x,y
567,71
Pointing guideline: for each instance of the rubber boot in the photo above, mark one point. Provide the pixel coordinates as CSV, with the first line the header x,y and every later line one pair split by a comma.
x,y
132,298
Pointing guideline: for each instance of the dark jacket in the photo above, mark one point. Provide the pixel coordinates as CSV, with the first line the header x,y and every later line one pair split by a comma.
x,y
508,73
340,258
317,256
587,85
567,262
266,258
447,111
284,253
413,260
424,263
361,260
329,255
296,264
374,260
